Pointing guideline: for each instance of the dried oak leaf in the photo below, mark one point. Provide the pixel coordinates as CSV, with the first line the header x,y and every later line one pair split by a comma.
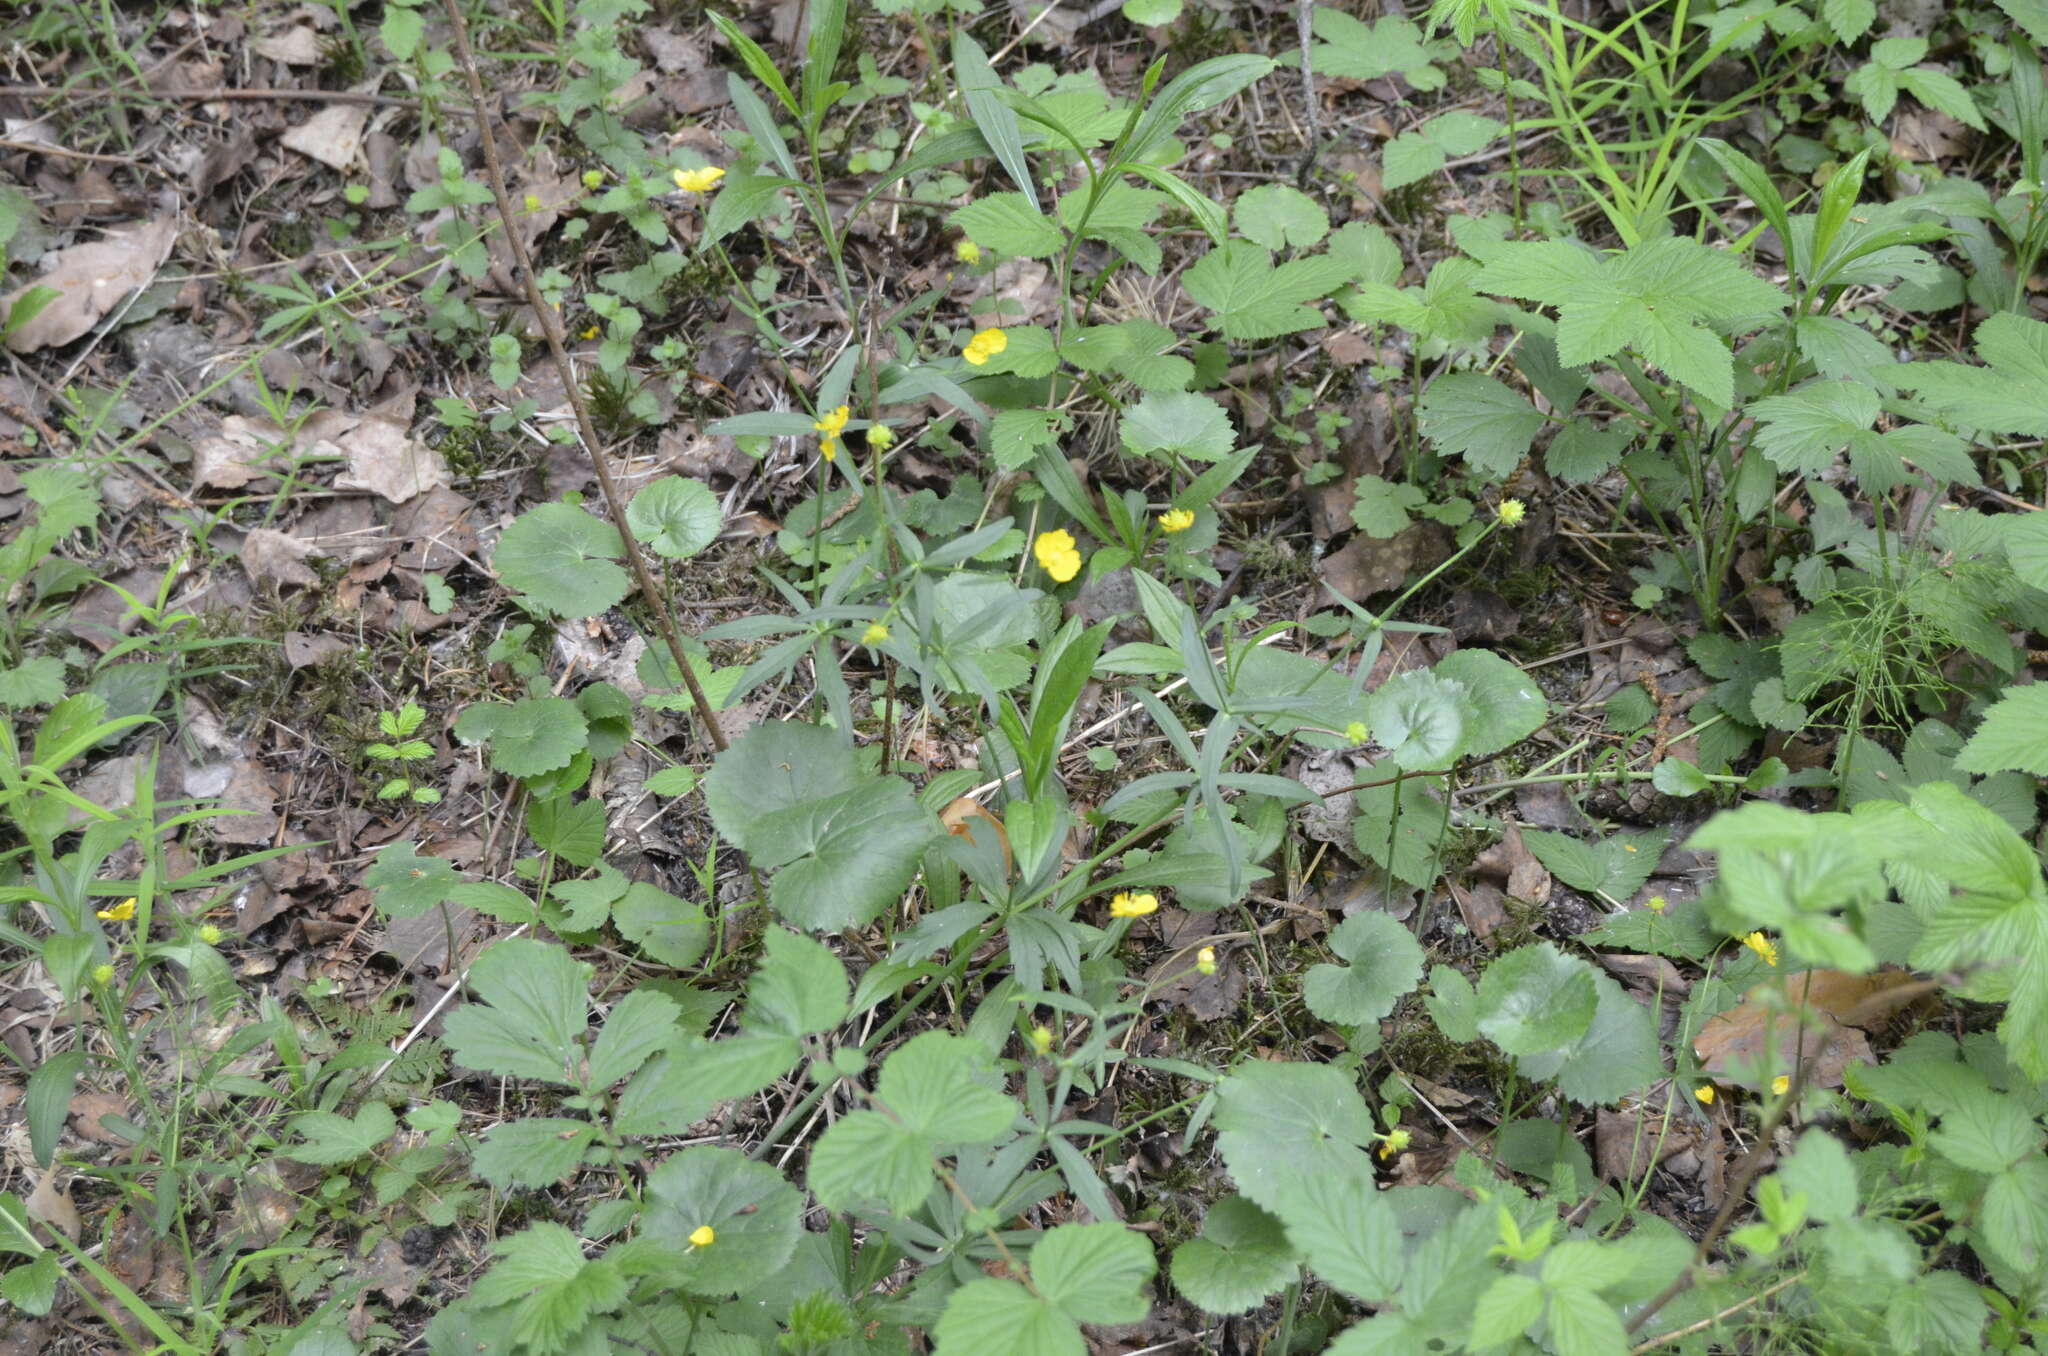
x,y
91,280
1756,1034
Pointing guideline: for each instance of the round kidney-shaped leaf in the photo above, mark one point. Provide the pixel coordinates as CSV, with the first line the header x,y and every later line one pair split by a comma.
x,y
755,1215
563,560
1386,962
676,517
1536,999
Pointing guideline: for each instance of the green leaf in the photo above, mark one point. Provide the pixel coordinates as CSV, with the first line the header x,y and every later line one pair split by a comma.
x,y
1804,429
1505,1310
1583,1324
670,930
1009,223
676,517
1280,216
1241,1257
530,1018
997,122
33,682
562,560
1418,716
2013,735
533,1152
32,1286
1616,866
1536,999
1177,423
1254,300
2008,396
1350,49
527,737
48,1102
1347,1231
936,1090
1986,1134
1093,1273
799,988
1281,1124
1416,155
1386,962
1478,418
1002,1318
542,1271
639,1025
1820,1169
333,1139
1617,1056
408,884
1151,13
1014,436
1582,452
756,1215
1382,507
742,200
1501,705
842,844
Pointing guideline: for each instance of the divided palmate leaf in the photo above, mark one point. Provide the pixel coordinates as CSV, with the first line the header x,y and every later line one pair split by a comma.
x,y
1254,300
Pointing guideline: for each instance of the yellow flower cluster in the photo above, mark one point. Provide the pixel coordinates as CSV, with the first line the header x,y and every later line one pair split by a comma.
x,y
1763,946
830,429
1059,555
1176,520
967,252
875,634
983,346
1511,512
1128,905
699,180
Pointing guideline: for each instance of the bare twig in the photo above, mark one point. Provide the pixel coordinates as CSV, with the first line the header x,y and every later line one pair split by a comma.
x,y
1304,21
551,326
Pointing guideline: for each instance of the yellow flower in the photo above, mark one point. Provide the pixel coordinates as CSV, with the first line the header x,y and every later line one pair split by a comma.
x,y
590,333
985,345
120,913
1041,1039
967,252
1176,520
103,975
1511,512
1658,904
1357,732
875,634
1127,905
1058,554
1780,1085
699,180
1705,1092
211,935
1205,960
532,203
1761,944
1394,1141
592,178
703,1236
881,437
829,429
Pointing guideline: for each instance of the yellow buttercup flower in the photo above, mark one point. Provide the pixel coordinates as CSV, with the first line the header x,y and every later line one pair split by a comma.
x,y
875,634
830,428
120,913
590,333
1394,1141
1511,512
1705,1092
703,1236
1357,732
1058,554
985,345
211,935
1041,1039
532,203
103,975
1205,960
1780,1085
967,252
1127,905
1658,904
1762,945
1176,520
699,180
881,437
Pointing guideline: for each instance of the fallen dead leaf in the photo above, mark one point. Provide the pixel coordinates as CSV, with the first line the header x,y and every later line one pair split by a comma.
x,y
1629,1141
90,281
87,1109
1756,1039
298,45
384,459
52,1205
966,815
277,557
333,136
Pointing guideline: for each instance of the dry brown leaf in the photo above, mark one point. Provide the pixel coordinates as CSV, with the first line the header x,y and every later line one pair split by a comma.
x,y
88,1109
1625,1141
303,649
1755,1035
965,815
52,1205
333,136
1857,1000
384,459
298,45
91,280
238,453
271,555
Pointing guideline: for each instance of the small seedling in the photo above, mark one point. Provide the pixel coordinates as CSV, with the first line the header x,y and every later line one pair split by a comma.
x,y
401,752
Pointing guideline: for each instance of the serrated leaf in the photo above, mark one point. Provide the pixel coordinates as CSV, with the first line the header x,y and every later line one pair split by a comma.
x,y
527,737
408,884
333,1139
1008,223
1241,1257
1803,430
553,1288
756,1215
1177,423
1280,216
1254,300
2013,735
562,560
529,1021
1478,418
533,1153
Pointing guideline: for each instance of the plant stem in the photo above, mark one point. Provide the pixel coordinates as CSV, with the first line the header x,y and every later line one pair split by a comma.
x,y
551,326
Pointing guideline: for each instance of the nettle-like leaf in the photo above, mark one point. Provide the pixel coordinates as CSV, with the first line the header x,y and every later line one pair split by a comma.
x,y
937,1091
1616,866
1803,430
552,1289
1008,223
1478,418
1241,1257
1536,999
676,516
842,844
1444,307
2008,395
1350,49
1414,156
1139,351
1177,424
1121,218
2013,735
332,1139
1893,68
530,1017
1080,1273
1662,298
1385,963
1254,300
562,560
